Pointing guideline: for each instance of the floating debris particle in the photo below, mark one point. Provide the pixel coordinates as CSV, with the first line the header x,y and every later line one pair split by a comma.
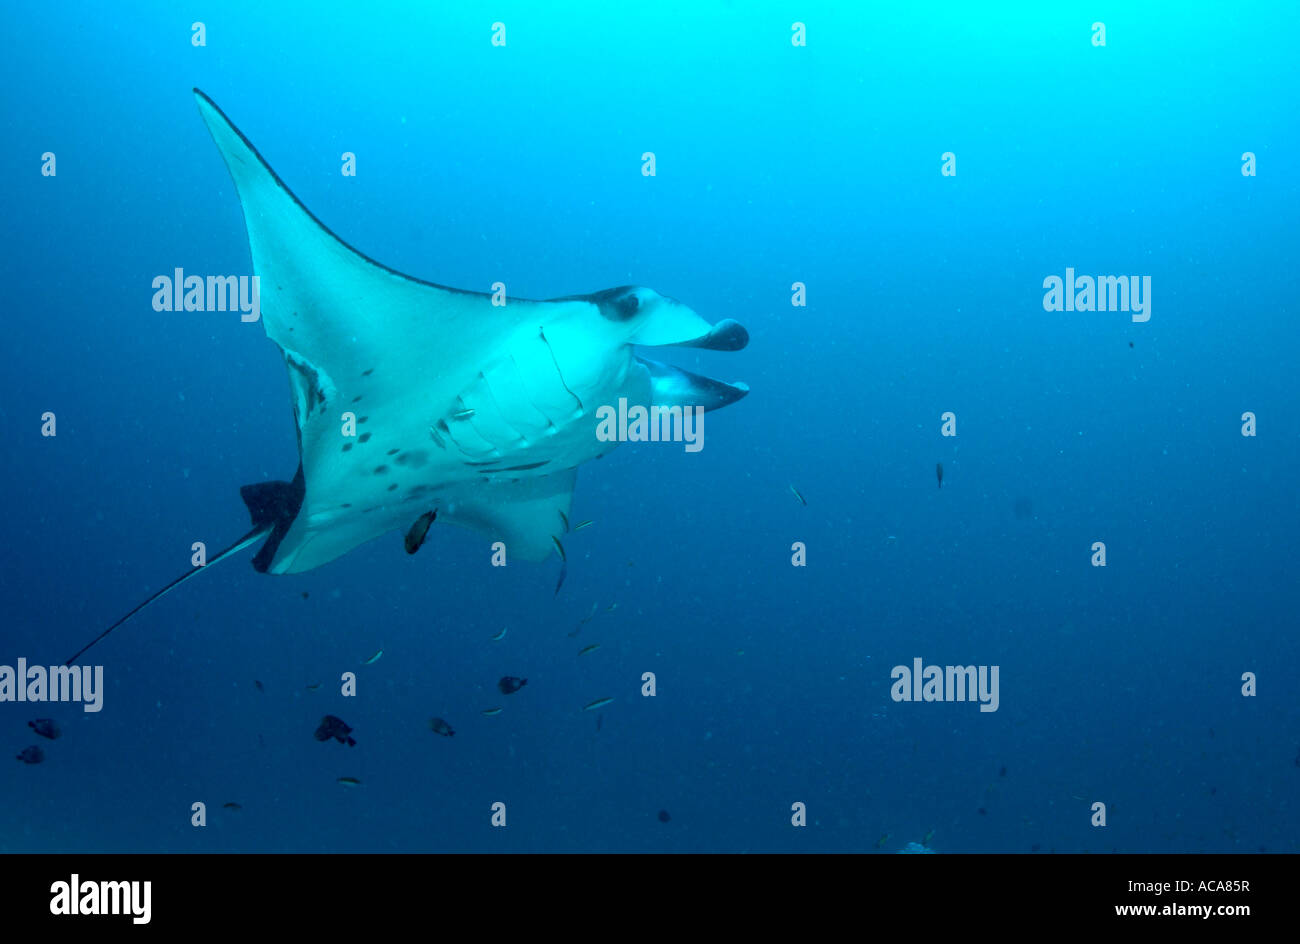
x,y
663,816
313,687
336,728
880,843
259,685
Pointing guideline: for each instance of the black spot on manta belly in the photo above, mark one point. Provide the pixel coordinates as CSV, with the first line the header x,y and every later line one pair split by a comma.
x,y
415,458
347,446
380,469
367,373
364,437
393,452
392,487
363,419
356,399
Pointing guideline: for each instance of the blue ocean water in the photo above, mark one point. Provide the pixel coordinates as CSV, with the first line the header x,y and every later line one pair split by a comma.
x,y
775,164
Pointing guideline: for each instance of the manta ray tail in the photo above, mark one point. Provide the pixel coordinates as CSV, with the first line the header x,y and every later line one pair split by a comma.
x,y
256,534
271,505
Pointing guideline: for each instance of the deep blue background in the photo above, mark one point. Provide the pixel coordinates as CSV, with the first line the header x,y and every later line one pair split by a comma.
x,y
775,164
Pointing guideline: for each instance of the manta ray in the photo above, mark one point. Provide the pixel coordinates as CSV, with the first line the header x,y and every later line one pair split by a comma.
x,y
415,402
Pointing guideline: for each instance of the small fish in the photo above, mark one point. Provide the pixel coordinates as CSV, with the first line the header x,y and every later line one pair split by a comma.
x,y
880,843
231,806
582,524
350,781
491,712
336,728
801,499
259,685
598,703
600,719
313,687
564,572
592,648
663,816
414,539
509,684
305,594
31,755
438,726
925,840
938,472
373,659
589,616
46,728
565,519
611,608
463,414
560,548
500,636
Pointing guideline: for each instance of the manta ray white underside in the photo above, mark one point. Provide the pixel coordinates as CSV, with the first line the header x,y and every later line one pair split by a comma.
x,y
476,411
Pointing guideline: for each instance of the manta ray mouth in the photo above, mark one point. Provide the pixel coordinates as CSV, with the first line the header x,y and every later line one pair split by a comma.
x,y
675,386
